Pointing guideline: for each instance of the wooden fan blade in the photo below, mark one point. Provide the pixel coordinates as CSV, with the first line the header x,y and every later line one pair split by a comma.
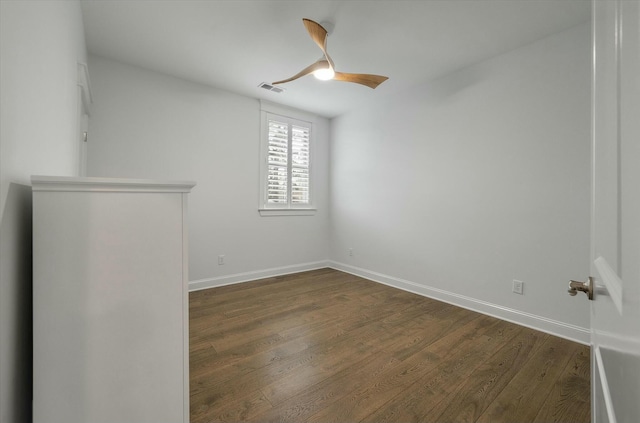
x,y
319,36
320,64
317,32
371,81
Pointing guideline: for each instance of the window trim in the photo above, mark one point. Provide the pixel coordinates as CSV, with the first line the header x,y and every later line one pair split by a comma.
x,y
289,115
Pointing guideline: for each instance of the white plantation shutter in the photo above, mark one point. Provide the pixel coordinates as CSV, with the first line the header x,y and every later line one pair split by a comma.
x,y
278,163
299,165
288,163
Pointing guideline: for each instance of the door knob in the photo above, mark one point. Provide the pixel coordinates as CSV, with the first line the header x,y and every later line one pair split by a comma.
x,y
586,287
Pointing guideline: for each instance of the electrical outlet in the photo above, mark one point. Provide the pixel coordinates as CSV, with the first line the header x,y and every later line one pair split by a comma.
x,y
518,287
220,259
350,252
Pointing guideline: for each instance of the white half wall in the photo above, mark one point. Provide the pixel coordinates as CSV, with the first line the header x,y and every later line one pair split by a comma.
x,y
41,43
473,180
149,125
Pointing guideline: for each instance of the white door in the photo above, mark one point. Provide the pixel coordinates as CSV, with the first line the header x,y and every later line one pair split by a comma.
x,y
615,237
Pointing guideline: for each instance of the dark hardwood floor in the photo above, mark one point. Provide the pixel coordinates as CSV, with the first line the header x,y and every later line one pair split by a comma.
x,y
326,346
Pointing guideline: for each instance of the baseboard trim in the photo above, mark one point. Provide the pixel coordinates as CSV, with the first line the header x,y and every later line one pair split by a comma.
x,y
533,321
543,324
257,274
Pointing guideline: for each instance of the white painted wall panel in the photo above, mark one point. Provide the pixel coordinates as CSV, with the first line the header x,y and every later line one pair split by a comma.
x,y
148,125
475,179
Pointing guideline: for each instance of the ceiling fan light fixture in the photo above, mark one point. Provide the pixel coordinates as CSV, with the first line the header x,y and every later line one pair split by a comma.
x,y
323,69
324,74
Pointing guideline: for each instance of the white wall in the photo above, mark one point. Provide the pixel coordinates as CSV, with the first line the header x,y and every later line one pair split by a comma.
x,y
463,184
40,45
148,125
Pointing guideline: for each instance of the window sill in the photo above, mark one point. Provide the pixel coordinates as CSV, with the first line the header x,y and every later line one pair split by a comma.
x,y
287,212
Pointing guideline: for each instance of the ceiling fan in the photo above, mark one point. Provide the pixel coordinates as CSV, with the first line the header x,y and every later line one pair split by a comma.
x,y
324,68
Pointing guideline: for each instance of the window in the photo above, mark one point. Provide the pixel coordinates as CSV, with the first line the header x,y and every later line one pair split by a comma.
x,y
286,177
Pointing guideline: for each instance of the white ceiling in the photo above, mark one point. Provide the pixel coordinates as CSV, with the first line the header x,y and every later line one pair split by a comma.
x,y
236,45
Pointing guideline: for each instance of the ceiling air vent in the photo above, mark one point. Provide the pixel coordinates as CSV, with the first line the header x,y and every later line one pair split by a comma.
x,y
270,87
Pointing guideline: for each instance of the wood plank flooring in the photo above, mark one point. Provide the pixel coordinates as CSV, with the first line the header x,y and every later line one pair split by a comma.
x,y
326,346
